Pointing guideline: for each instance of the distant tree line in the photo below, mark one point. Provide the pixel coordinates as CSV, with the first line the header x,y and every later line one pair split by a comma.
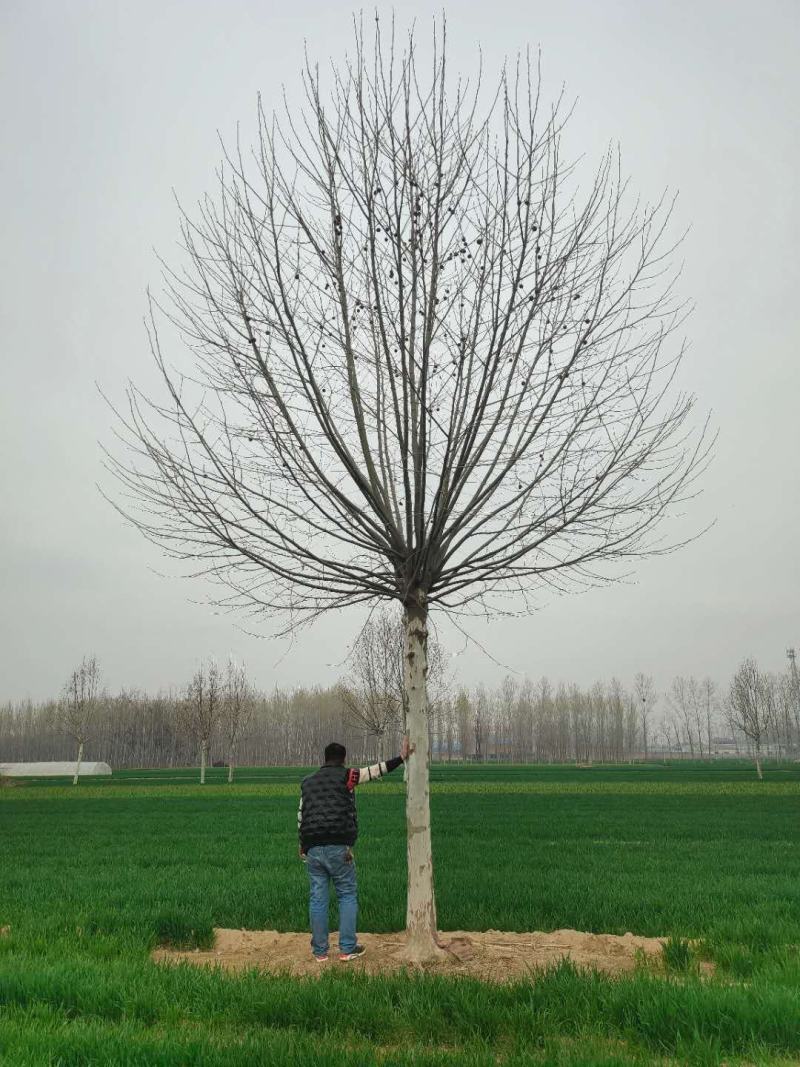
x,y
218,717
175,729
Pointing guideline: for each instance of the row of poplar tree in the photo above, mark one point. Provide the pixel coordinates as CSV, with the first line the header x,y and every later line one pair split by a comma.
x,y
220,718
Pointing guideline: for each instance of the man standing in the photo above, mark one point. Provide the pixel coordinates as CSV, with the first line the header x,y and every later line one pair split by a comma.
x,y
328,827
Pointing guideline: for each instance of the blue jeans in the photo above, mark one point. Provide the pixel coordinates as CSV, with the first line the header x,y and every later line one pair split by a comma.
x,y
326,864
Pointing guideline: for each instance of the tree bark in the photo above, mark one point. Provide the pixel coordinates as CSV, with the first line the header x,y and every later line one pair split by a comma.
x,y
230,768
758,763
78,763
202,763
422,943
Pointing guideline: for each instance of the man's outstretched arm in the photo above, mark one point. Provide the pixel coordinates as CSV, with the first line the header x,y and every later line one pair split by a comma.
x,y
300,825
373,771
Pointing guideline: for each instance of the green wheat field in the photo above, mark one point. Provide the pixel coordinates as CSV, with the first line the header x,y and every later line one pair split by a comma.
x,y
93,877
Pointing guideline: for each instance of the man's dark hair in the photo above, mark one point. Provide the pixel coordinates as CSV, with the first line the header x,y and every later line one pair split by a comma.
x,y
335,753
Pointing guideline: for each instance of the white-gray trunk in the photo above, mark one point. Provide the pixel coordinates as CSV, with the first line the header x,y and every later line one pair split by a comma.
x,y
230,768
202,763
758,764
78,763
421,942
405,727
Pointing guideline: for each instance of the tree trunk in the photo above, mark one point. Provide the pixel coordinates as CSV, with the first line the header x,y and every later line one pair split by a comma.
x,y
758,763
202,763
230,767
405,701
422,943
78,763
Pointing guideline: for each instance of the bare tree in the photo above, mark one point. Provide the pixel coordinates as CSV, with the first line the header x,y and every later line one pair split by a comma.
x,y
78,705
199,712
236,710
431,369
480,718
792,698
750,707
616,706
679,701
373,694
708,701
670,726
462,710
696,706
646,697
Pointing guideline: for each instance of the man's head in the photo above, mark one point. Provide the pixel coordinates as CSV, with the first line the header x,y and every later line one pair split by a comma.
x,y
335,753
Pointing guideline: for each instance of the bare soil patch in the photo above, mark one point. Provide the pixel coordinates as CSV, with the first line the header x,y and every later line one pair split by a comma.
x,y
492,955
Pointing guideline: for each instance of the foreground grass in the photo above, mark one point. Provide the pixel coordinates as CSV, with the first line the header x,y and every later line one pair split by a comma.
x,y
642,1014
91,878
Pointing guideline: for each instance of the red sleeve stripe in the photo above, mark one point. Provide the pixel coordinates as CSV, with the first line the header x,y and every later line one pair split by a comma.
x,y
352,778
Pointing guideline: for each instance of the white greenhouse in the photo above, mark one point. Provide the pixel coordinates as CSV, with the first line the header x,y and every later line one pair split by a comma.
x,y
51,769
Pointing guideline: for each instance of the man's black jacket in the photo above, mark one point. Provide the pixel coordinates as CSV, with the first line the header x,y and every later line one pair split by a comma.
x,y
327,812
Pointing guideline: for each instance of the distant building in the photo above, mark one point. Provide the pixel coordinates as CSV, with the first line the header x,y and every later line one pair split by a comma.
x,y
725,746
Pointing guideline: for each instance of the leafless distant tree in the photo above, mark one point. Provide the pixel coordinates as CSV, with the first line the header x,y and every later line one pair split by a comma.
x,y
480,716
792,700
374,693
200,711
616,707
782,727
708,701
693,707
78,706
430,368
679,702
236,710
698,711
461,714
646,697
673,734
750,707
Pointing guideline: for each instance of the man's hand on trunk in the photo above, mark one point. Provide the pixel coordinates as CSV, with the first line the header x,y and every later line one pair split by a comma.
x,y
406,749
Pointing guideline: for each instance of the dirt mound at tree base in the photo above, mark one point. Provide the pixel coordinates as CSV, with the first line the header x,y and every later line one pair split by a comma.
x,y
492,955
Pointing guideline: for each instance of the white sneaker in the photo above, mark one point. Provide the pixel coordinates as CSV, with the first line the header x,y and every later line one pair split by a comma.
x,y
359,950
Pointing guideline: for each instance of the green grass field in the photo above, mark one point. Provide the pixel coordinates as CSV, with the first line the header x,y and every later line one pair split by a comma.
x,y
92,877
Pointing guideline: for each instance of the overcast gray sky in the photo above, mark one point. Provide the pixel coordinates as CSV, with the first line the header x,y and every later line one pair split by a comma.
x,y
107,106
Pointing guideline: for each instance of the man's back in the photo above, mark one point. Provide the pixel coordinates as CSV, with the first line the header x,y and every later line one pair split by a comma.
x,y
327,814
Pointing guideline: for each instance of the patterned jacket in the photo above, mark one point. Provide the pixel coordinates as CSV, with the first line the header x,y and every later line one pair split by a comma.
x,y
327,812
